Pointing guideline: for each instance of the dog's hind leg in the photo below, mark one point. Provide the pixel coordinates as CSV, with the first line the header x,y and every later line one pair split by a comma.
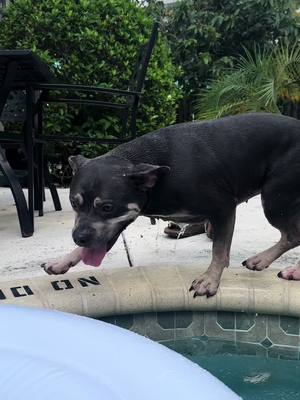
x,y
281,203
262,260
207,284
63,264
291,273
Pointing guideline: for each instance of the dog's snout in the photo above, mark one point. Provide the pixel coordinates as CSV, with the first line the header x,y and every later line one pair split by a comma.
x,y
83,237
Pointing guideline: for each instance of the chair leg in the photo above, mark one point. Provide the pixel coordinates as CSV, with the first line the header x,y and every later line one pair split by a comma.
x,y
36,190
40,190
25,220
39,158
29,141
52,188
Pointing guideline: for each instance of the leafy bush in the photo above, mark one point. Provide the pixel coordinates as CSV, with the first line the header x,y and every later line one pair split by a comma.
x,y
206,35
93,42
261,81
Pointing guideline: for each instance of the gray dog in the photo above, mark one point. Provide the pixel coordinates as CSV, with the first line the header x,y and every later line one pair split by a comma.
x,y
187,173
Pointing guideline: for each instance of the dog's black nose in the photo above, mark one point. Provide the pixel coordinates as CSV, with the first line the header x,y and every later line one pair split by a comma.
x,y
83,237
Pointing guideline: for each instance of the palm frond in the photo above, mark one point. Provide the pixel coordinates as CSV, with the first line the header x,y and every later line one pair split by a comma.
x,y
258,81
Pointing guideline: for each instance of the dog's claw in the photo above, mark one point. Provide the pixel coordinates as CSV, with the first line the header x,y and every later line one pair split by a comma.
x,y
289,278
244,263
208,295
191,288
47,270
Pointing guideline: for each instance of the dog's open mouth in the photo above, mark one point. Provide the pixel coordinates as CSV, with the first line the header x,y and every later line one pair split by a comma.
x,y
94,255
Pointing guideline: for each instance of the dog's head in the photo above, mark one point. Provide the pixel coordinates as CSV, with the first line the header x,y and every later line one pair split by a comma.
x,y
107,194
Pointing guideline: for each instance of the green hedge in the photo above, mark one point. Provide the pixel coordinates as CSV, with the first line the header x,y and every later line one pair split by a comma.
x,y
206,35
93,42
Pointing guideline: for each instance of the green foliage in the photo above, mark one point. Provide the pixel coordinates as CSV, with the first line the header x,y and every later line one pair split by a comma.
x,y
93,42
260,81
205,35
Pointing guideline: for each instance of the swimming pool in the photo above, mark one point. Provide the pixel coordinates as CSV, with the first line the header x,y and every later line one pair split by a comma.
x,y
250,330
253,377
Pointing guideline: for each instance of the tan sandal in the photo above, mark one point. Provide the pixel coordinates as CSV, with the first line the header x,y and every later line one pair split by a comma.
x,y
177,231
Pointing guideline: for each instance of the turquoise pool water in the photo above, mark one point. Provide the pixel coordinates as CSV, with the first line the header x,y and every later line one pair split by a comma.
x,y
253,377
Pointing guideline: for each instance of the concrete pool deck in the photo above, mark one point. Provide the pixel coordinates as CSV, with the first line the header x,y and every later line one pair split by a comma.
x,y
146,243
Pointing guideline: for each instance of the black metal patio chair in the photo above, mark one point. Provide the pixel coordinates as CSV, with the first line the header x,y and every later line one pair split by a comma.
x,y
14,114
7,76
19,69
70,94
82,95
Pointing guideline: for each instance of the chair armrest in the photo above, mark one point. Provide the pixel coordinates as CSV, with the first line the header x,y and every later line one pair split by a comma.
x,y
83,88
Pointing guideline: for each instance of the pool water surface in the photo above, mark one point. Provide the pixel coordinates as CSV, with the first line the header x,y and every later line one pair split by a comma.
x,y
253,377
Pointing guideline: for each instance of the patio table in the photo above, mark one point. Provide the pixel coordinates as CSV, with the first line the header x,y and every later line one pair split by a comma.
x,y
21,70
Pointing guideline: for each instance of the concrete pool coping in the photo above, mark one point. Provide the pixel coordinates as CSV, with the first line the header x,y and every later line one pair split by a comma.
x,y
159,288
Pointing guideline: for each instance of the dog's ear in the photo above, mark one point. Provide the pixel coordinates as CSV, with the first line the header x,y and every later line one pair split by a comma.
x,y
144,176
76,162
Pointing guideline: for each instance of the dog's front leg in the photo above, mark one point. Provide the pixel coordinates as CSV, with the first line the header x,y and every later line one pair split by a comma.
x,y
207,284
63,264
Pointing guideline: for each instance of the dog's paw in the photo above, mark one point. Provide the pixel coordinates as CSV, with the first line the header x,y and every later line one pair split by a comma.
x,y
63,264
291,274
257,263
207,285
56,267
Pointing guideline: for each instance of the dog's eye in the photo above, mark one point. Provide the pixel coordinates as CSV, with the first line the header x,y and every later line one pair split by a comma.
x,y
73,204
76,201
107,207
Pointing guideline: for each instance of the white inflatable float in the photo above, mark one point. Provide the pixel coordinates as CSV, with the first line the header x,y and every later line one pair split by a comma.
x,y
57,356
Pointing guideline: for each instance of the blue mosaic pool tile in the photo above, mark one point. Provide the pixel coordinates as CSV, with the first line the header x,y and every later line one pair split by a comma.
x,y
244,321
284,353
124,321
155,331
283,331
109,320
226,320
251,349
270,332
289,325
166,320
267,343
183,319
213,327
256,333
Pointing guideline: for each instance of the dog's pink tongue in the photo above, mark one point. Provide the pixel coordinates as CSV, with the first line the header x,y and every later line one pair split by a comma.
x,y
93,257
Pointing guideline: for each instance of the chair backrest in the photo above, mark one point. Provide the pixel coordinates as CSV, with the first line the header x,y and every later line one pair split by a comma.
x,y
144,56
7,75
15,107
12,104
